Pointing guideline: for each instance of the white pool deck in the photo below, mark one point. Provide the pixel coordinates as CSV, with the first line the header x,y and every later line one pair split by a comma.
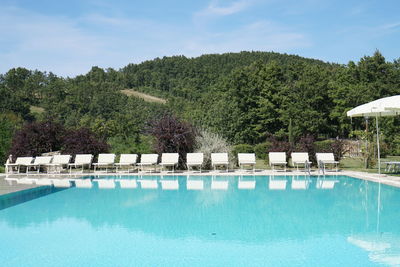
x,y
8,182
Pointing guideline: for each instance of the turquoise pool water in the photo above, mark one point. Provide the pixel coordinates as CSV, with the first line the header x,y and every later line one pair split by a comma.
x,y
208,221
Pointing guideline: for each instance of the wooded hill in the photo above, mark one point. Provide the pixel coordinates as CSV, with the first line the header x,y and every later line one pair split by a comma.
x,y
244,96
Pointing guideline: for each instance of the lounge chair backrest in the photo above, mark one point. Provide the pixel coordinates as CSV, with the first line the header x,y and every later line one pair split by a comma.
x,y
300,157
42,160
219,157
246,158
61,159
172,158
83,159
24,160
194,158
277,157
128,158
328,157
106,158
149,158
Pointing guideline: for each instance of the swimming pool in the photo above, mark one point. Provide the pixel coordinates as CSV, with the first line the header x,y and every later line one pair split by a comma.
x,y
207,221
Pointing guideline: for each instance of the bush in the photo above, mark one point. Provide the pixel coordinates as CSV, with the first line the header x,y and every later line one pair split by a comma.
x,y
324,146
8,125
83,141
207,143
262,149
36,138
173,136
331,146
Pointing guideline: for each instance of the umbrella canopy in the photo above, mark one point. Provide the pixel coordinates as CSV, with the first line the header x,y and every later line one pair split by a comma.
x,y
383,107
387,106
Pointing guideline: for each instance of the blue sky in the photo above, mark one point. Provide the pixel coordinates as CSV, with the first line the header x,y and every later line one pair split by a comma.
x,y
69,37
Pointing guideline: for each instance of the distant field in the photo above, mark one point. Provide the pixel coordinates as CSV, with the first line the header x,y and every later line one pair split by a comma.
x,y
145,97
35,109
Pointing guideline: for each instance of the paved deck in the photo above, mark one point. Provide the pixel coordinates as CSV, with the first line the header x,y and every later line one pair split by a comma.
x,y
7,187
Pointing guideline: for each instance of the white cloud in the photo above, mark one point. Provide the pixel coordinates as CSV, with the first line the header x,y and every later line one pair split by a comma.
x,y
214,9
71,46
260,36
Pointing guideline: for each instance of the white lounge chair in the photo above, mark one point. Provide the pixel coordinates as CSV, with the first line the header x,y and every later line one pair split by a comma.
x,y
20,161
148,160
277,158
300,158
104,161
324,159
169,160
58,163
247,159
219,159
81,160
127,160
194,160
38,162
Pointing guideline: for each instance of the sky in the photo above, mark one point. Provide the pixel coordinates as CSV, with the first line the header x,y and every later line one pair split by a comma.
x,y
69,37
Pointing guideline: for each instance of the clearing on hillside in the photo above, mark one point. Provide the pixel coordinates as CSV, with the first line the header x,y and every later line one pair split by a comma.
x,y
145,97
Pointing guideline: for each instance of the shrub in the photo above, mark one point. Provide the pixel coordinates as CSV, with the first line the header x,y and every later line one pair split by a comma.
x,y
83,141
262,149
207,143
8,125
324,146
36,138
331,146
173,136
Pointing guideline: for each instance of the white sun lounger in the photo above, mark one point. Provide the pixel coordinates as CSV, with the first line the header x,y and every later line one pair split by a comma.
x,y
300,158
277,158
20,161
247,159
324,159
58,163
38,162
127,160
194,160
219,159
148,160
81,160
169,160
104,161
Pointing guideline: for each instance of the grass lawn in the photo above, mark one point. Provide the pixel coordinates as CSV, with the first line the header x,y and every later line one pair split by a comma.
x,y
348,164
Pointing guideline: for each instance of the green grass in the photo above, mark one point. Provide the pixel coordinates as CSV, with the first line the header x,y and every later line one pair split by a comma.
x,y
348,164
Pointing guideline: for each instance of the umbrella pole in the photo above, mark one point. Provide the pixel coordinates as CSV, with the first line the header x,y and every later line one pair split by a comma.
x,y
377,142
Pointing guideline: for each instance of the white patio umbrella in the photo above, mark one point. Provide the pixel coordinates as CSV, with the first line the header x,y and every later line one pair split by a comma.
x,y
383,107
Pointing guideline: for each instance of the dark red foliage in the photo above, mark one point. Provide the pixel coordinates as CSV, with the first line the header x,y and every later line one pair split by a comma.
x,y
36,138
280,146
173,136
306,144
83,141
338,149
